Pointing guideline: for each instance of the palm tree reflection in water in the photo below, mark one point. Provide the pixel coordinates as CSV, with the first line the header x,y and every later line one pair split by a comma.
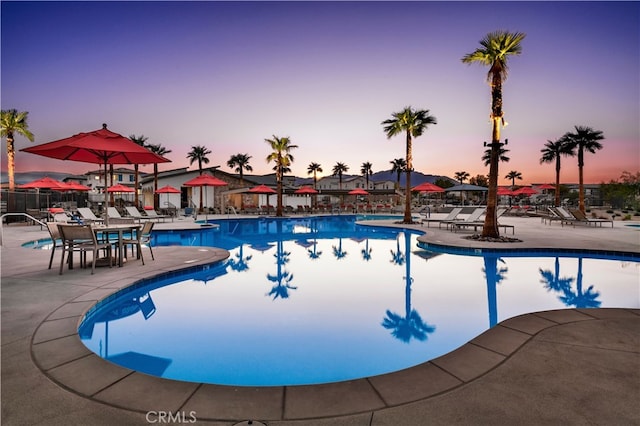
x,y
494,276
411,325
338,252
579,299
282,278
366,251
240,263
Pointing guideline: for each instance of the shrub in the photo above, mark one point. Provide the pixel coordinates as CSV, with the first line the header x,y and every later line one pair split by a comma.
x,y
627,217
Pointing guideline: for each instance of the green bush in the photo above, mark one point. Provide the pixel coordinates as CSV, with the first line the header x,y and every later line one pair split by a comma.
x,y
627,217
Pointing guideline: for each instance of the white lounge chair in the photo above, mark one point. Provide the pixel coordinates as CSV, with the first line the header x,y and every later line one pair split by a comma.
x,y
473,217
133,212
450,217
88,215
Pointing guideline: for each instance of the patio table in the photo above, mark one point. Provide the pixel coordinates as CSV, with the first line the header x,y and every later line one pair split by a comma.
x,y
117,230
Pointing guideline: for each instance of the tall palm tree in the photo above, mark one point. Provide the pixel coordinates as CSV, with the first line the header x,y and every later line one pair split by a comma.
x,y
161,151
338,170
495,48
398,166
13,123
282,158
461,176
314,168
552,151
239,163
142,141
366,171
513,175
413,123
199,153
584,139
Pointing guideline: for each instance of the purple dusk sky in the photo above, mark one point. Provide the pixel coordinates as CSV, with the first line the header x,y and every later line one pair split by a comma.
x,y
227,75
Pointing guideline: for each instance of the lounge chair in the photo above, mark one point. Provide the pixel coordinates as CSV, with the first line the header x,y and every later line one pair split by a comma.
x,y
134,213
472,218
115,217
582,218
154,214
467,224
450,217
87,215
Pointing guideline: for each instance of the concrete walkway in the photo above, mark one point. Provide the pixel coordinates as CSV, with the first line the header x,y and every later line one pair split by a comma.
x,y
566,366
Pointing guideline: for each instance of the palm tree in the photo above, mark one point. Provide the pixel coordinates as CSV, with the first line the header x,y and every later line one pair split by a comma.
x,y
142,141
584,138
314,168
513,175
199,153
161,151
413,123
282,158
552,151
366,171
241,163
398,166
502,156
461,176
496,48
13,123
338,170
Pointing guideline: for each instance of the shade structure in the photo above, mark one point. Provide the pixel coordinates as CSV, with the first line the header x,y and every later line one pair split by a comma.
x,y
358,191
99,147
525,190
205,180
465,187
120,188
427,187
305,190
44,183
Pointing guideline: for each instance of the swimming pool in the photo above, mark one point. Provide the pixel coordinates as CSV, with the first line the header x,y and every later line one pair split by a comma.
x,y
316,300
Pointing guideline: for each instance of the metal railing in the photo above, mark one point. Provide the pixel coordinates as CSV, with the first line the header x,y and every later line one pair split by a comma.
x,y
28,216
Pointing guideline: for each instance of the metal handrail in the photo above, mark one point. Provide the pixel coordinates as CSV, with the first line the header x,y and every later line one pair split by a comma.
x,y
17,214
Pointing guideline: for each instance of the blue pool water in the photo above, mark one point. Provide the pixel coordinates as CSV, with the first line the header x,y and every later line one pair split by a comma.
x,y
316,300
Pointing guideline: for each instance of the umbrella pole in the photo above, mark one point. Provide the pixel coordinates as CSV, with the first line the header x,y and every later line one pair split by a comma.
x,y
106,196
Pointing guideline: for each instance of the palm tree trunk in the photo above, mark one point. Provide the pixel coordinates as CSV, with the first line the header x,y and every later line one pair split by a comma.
x,y
135,170
111,197
557,193
156,196
407,196
279,202
581,180
11,163
490,228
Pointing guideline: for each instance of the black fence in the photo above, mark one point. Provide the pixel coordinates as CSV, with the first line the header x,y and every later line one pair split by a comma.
x,y
27,201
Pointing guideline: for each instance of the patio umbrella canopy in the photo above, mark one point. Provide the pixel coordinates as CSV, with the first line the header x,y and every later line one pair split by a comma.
x,y
99,147
305,190
167,189
358,191
261,189
205,180
44,183
525,190
120,188
427,187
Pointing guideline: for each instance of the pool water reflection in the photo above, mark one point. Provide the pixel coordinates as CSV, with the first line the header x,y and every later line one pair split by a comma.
x,y
314,301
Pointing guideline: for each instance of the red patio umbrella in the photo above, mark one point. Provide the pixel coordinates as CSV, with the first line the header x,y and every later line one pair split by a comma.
x,y
205,180
305,190
263,189
525,190
504,191
427,187
547,186
99,147
44,183
358,191
75,186
120,188
167,189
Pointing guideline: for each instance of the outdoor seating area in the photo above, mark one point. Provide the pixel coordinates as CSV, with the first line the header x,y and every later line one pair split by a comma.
x,y
572,217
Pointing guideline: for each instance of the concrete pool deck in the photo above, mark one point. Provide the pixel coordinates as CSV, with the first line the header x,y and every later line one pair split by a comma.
x,y
575,366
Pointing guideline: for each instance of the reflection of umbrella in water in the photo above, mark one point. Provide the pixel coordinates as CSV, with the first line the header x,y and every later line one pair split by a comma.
x,y
99,147
425,254
305,243
262,247
143,363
